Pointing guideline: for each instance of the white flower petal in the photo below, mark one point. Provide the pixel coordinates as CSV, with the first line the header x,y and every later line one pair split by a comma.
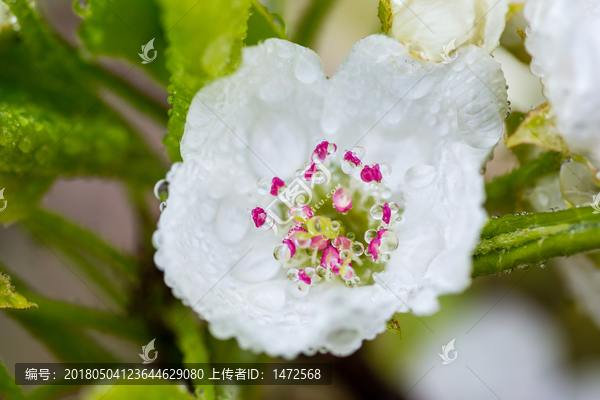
x,y
432,24
564,42
423,118
583,280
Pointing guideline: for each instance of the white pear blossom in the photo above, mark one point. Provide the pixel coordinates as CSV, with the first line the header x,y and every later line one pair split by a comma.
x,y
426,26
564,41
435,124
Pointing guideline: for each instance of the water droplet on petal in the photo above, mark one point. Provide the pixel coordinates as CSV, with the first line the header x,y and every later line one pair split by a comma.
x,y
264,186
357,248
386,169
161,190
377,212
370,235
292,274
347,167
319,177
359,152
350,235
162,206
345,254
389,242
282,253
420,176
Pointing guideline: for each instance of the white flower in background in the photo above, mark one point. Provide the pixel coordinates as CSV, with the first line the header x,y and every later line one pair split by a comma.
x,y
583,280
516,352
426,26
426,129
564,40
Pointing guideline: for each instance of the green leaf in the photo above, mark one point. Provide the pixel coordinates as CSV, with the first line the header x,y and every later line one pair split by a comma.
x,y
131,392
48,72
539,129
37,145
72,315
9,298
46,223
262,25
69,344
8,388
309,25
189,337
120,28
91,143
21,197
204,43
522,240
385,15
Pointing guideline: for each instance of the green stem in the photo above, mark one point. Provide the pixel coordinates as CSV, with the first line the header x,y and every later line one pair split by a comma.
x,y
305,34
514,240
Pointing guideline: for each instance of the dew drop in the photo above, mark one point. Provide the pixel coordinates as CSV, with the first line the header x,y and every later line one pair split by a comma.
x,y
161,190
310,272
307,68
319,177
357,248
389,242
331,148
282,253
162,206
347,167
386,169
359,152
292,274
321,271
335,225
376,212
420,176
350,235
264,186
370,235
345,254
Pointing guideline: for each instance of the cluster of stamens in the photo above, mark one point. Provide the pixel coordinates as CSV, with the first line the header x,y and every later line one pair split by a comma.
x,y
319,248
